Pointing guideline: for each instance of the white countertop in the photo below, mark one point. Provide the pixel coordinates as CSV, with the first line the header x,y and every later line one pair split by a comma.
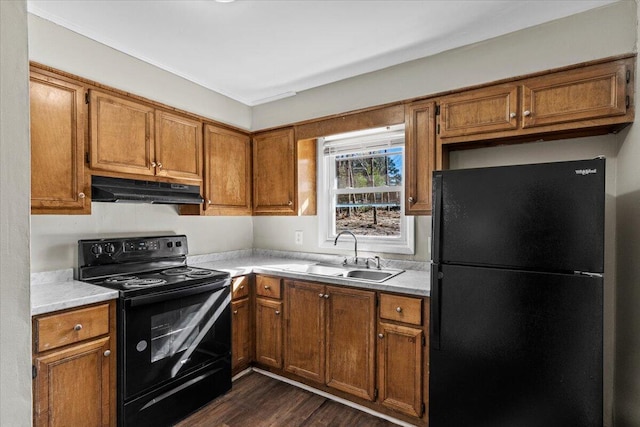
x,y
56,290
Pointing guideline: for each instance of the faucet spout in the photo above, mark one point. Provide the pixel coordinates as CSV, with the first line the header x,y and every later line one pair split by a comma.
x,y
355,244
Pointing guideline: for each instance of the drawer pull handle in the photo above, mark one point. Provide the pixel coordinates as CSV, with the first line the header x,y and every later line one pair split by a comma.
x,y
267,287
78,327
235,311
241,286
277,312
107,353
399,309
380,335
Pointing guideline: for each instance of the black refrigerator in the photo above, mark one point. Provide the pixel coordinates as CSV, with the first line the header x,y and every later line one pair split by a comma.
x,y
517,296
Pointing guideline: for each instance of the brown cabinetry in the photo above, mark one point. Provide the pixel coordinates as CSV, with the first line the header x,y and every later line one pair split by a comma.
x,y
330,336
420,137
241,330
129,137
58,119
268,322
74,367
402,374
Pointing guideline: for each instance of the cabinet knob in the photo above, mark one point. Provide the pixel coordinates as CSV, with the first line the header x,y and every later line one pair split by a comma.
x,y
267,287
241,286
81,195
320,295
159,165
277,312
410,199
107,353
380,335
326,296
209,201
527,113
290,203
77,327
154,164
235,311
512,115
399,309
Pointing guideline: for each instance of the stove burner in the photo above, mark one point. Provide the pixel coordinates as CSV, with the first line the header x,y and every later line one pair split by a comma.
x,y
200,273
144,282
121,279
177,271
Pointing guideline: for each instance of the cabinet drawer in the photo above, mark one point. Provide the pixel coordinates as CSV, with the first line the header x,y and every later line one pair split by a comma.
x,y
268,286
401,309
58,330
239,287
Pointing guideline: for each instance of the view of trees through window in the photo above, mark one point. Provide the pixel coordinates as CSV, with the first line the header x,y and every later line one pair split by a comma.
x,y
368,192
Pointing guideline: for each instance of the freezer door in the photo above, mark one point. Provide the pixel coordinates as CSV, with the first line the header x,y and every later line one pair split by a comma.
x,y
515,349
544,217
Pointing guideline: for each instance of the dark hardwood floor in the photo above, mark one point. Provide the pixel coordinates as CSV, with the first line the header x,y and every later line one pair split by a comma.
x,y
260,401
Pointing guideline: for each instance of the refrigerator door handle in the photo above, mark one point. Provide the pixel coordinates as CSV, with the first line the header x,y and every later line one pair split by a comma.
x,y
434,323
437,217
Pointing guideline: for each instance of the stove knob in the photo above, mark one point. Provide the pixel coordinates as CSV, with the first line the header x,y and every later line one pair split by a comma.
x,y
96,250
109,248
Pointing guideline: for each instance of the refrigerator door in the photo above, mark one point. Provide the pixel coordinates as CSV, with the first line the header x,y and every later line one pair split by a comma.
x,y
543,217
515,349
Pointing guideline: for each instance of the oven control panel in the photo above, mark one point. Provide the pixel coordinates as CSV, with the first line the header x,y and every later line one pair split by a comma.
x,y
115,250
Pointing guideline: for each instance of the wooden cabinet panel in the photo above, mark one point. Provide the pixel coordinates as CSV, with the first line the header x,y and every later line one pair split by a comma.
x,y
401,309
122,135
241,335
350,342
58,123
73,326
268,286
72,386
420,156
274,173
400,368
483,110
305,330
590,93
178,146
269,332
227,157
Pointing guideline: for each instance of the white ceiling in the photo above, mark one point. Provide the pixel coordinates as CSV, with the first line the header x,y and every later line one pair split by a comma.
x,y
259,51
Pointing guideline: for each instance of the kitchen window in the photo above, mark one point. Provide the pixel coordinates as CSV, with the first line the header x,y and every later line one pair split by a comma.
x,y
361,189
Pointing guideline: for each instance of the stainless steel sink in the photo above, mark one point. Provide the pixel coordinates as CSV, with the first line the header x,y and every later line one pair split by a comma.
x,y
346,271
374,275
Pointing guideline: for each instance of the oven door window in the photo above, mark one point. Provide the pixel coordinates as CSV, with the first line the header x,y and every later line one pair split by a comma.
x,y
169,335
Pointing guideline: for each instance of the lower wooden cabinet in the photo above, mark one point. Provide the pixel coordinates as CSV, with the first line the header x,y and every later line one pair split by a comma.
x,y
330,336
74,370
269,332
241,335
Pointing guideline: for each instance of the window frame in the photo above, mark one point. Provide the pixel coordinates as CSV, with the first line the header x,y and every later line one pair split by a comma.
x,y
405,244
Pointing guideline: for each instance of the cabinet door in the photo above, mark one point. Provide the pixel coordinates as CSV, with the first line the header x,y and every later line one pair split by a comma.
x,y
274,173
269,332
351,341
241,335
400,368
72,386
590,93
484,110
305,330
122,135
420,155
178,147
227,162
57,146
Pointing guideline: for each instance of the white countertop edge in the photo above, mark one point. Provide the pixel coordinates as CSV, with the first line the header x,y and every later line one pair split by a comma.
x,y
54,296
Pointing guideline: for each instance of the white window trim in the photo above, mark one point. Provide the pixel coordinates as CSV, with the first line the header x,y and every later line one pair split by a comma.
x,y
326,206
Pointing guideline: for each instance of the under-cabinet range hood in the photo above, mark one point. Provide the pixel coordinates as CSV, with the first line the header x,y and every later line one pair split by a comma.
x,y
105,189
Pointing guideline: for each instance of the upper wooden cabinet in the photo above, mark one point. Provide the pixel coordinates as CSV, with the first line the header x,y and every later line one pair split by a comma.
x,y
420,153
130,137
227,162
594,98
58,120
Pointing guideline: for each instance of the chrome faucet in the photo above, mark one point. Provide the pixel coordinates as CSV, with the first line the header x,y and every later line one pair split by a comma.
x,y
355,245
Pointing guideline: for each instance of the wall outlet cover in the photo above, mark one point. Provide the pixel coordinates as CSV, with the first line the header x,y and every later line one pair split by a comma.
x,y
298,237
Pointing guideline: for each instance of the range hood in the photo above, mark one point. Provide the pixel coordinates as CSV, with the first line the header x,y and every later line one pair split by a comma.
x,y
104,189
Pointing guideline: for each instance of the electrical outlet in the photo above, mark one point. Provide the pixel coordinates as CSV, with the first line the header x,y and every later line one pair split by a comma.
x,y
298,237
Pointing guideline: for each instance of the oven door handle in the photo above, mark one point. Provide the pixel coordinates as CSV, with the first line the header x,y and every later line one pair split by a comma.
x,y
175,294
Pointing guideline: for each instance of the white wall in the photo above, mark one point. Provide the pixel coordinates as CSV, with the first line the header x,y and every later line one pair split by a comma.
x,y
15,310
54,237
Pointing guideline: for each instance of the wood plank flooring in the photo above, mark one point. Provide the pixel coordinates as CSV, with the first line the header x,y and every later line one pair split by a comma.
x,y
260,401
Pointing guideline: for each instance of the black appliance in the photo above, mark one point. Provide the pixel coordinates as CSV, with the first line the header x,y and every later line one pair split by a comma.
x,y
517,296
174,326
106,189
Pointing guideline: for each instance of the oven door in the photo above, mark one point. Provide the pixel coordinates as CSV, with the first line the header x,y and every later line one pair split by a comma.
x,y
170,334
